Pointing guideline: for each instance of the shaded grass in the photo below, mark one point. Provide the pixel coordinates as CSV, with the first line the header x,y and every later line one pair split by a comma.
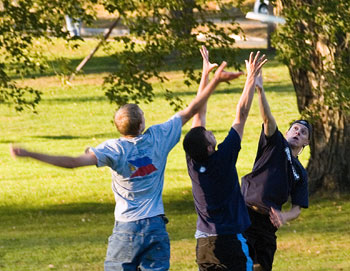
x,y
104,62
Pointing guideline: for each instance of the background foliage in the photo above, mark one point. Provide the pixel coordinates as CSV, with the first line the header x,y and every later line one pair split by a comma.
x,y
21,24
316,40
160,32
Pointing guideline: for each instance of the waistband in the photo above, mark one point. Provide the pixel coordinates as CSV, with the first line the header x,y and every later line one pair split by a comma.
x,y
258,209
146,220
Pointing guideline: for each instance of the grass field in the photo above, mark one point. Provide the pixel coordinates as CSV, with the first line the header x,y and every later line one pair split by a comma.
x,y
57,219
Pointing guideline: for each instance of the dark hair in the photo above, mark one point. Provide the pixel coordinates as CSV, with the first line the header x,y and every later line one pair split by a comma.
x,y
305,123
196,144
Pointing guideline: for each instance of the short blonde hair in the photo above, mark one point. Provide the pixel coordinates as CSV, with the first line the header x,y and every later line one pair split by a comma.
x,y
128,119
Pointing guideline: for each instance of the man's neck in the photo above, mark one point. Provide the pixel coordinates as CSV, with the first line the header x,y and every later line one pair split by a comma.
x,y
296,151
129,136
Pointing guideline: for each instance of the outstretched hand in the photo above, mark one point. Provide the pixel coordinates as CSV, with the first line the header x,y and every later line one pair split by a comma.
x,y
254,64
223,76
16,151
207,66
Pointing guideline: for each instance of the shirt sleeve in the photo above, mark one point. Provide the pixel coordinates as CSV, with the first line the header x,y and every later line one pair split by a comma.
x,y
107,154
271,140
228,150
167,134
267,144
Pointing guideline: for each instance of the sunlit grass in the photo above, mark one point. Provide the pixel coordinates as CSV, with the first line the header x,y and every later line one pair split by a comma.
x,y
58,219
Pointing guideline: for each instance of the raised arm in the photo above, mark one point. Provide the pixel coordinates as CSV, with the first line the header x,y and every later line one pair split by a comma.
x,y
269,121
199,118
87,159
202,98
253,65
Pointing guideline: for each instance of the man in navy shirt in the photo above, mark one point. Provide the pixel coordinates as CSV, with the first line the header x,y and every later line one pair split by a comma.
x,y
222,214
276,175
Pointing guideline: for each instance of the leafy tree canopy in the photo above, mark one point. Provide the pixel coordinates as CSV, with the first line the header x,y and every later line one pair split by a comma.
x,y
315,40
161,32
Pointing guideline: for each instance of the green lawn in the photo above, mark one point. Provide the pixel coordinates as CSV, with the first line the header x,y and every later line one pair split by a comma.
x,y
57,219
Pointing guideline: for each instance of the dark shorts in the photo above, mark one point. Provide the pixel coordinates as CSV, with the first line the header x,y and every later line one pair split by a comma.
x,y
261,237
223,252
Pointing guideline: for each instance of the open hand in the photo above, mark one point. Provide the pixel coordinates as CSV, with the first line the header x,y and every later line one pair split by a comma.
x,y
223,76
254,64
207,66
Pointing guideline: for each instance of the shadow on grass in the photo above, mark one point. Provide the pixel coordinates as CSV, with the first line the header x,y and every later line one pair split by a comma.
x,y
76,99
71,137
179,200
5,141
267,86
59,209
188,92
228,89
106,64
276,88
71,233
110,135
90,223
47,227
54,220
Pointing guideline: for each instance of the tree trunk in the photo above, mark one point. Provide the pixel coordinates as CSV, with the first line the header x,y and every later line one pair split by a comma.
x,y
317,62
329,164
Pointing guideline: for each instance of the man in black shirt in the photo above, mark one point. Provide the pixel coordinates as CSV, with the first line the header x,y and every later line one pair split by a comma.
x,y
276,175
222,214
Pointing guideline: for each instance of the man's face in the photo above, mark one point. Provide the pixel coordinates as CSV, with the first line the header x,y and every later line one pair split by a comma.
x,y
298,135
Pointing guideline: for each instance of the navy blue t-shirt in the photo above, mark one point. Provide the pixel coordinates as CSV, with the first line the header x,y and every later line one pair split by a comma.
x,y
276,175
217,196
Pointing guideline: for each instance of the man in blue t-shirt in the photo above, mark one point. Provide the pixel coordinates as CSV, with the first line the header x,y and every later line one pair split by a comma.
x,y
276,175
222,214
137,162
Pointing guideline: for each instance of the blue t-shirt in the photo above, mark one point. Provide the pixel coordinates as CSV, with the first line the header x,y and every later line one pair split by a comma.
x,y
137,167
217,196
276,175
